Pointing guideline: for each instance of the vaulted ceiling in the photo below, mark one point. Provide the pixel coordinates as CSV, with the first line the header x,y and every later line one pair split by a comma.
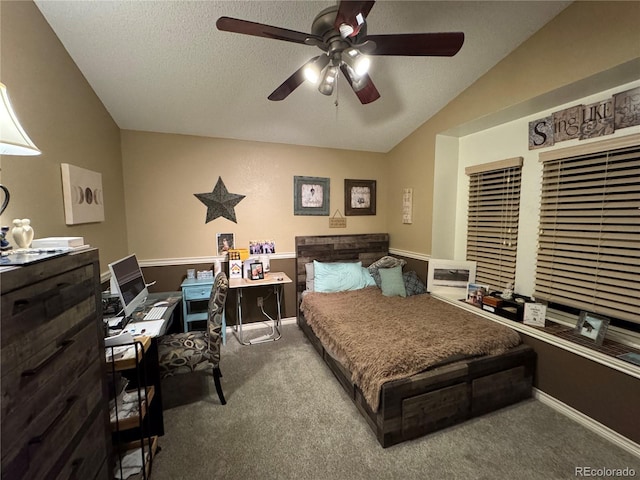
x,y
163,66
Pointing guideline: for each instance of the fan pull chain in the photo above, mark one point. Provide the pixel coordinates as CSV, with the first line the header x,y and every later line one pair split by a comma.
x,y
337,100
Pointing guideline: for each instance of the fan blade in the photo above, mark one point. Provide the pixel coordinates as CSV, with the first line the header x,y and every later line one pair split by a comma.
x,y
363,87
297,79
245,27
417,44
348,11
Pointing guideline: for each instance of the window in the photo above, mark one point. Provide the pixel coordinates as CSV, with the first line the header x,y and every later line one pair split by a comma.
x,y
589,232
492,225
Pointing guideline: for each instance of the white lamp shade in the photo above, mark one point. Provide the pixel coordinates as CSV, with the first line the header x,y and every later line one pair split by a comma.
x,y
13,139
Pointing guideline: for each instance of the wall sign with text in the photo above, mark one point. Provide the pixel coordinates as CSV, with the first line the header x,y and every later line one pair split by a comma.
x,y
587,121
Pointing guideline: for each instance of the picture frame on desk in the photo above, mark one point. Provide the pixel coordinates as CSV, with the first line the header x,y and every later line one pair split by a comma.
x,y
256,271
592,326
225,242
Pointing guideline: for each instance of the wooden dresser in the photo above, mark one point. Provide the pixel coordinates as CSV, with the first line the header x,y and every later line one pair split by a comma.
x,y
55,422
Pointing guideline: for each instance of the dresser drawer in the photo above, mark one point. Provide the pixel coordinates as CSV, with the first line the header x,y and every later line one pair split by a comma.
x,y
90,456
45,405
38,315
202,292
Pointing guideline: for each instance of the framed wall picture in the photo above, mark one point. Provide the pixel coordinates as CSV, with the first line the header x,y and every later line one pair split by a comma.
x,y
310,196
359,197
82,193
592,326
256,271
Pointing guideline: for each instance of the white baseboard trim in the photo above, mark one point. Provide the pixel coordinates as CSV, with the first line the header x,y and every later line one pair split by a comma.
x,y
408,254
256,325
588,422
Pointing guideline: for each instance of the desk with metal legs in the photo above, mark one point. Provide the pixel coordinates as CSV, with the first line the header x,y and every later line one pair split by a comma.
x,y
273,279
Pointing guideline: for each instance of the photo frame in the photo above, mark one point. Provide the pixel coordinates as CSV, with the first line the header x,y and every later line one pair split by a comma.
x,y
359,197
310,196
450,276
83,195
225,242
592,326
256,271
475,293
262,247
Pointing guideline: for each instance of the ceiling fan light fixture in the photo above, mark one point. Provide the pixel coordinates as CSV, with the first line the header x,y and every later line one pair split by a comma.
x,y
329,78
358,62
311,73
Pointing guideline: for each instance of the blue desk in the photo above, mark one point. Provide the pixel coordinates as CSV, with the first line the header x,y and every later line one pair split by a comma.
x,y
195,300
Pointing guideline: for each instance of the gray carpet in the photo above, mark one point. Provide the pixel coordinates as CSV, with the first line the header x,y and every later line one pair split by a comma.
x,y
288,418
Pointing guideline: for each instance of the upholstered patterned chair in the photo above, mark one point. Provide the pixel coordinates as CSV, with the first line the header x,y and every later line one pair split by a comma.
x,y
198,350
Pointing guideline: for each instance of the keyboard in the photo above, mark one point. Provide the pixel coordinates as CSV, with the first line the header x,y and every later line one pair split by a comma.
x,y
155,313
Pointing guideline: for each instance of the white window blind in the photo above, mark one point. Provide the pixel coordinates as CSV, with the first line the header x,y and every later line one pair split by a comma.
x,y
492,224
589,232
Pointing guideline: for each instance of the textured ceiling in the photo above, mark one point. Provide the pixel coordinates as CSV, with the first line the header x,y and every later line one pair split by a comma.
x,y
162,66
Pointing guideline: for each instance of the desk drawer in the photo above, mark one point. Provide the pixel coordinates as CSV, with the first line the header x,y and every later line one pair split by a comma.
x,y
197,293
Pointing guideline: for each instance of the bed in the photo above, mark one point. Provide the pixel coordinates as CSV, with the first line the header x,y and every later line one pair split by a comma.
x,y
432,389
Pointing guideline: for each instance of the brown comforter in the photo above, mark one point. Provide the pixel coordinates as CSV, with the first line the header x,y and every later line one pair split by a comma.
x,y
379,339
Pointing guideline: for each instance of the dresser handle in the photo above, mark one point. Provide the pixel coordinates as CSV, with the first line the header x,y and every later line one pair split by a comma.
x,y
75,466
43,436
38,368
20,305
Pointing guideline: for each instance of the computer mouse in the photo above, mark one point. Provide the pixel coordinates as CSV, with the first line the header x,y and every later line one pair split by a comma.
x,y
162,303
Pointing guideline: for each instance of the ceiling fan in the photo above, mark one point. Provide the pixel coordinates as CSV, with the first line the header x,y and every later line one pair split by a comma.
x,y
340,31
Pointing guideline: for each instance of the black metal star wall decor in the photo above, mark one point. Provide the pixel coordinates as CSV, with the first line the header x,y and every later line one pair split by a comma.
x,y
220,202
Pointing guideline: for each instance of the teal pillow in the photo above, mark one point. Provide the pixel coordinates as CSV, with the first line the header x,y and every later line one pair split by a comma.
x,y
391,282
337,277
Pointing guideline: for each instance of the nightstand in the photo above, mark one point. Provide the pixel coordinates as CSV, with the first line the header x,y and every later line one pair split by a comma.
x,y
195,300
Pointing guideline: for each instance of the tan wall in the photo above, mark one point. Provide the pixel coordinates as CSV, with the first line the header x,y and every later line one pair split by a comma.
x,y
584,39
68,123
162,173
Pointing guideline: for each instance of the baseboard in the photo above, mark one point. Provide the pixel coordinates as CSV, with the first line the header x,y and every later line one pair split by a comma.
x,y
588,422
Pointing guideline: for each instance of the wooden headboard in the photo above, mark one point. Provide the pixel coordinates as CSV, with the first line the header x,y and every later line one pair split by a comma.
x,y
367,248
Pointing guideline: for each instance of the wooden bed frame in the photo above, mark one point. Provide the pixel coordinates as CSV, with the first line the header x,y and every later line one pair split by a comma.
x,y
430,400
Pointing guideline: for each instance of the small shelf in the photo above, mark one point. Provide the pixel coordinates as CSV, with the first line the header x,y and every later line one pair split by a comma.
x,y
133,451
134,419
128,360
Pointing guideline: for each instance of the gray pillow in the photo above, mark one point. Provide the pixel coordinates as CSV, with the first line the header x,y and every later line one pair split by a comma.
x,y
412,283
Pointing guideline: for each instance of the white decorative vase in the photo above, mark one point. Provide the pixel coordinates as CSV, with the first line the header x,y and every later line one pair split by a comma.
x,y
22,232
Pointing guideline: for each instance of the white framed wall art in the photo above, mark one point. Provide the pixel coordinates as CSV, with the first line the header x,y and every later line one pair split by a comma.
x,y
83,195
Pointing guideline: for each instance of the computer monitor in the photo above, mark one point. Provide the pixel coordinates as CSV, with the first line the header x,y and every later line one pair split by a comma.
x,y
128,282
